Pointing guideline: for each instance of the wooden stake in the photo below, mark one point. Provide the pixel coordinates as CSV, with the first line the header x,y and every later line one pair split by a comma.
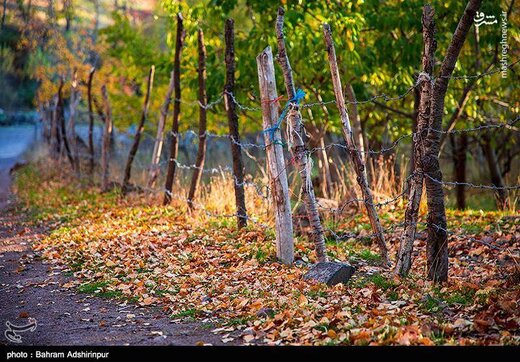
x,y
236,150
404,256
159,138
299,150
355,154
275,159
105,148
135,146
91,120
203,101
174,146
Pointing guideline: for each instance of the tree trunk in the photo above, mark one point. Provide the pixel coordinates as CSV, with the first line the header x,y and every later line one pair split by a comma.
x,y
105,148
203,101
174,147
61,118
229,88
91,120
494,171
354,152
55,129
140,129
155,168
74,102
297,141
404,256
3,13
459,149
437,242
358,131
275,158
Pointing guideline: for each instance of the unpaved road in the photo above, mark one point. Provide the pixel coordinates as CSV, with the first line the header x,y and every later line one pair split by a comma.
x,y
30,288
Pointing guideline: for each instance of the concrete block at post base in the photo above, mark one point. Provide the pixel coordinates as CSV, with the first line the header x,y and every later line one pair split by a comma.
x,y
330,273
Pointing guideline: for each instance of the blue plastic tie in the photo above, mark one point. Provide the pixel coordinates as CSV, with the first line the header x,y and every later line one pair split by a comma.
x,y
300,94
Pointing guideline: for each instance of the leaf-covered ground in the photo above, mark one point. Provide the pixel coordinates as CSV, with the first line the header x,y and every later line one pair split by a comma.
x,y
200,267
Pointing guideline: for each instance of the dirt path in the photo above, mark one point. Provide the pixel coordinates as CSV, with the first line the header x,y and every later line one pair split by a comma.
x,y
30,288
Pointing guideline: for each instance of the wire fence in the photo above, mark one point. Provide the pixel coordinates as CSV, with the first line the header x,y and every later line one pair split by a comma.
x,y
263,190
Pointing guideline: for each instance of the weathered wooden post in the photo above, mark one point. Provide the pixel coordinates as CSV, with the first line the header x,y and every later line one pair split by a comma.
x,y
404,256
203,101
299,150
140,128
174,146
155,168
105,148
275,158
91,120
234,135
355,153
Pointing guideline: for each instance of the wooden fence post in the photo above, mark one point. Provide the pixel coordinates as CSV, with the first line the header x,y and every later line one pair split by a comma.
x,y
105,148
299,150
91,120
140,128
174,146
355,154
404,256
155,168
203,101
236,151
275,158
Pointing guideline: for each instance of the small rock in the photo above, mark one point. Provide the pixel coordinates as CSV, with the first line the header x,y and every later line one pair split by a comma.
x,y
265,312
330,273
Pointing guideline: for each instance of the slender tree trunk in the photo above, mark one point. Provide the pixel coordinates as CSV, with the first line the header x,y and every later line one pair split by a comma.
x,y
203,101
74,102
404,256
91,120
494,171
297,140
140,129
358,131
355,154
3,13
437,242
155,168
55,130
459,149
174,147
61,117
236,149
105,147
275,158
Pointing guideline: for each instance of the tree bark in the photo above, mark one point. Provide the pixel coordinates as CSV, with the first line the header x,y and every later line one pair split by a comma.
x,y
275,158
354,152
437,242
91,120
358,131
74,102
107,135
61,118
3,13
404,255
494,171
174,147
459,149
140,129
236,149
203,101
155,168
301,155
55,129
